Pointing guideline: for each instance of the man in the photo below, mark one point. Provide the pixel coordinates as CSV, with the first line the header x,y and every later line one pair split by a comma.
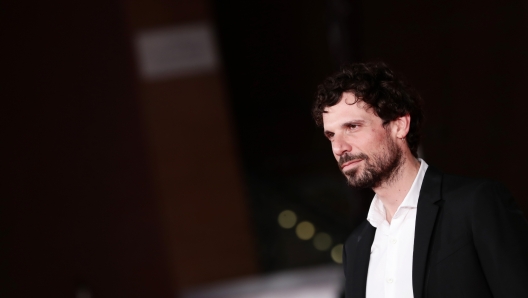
x,y
427,234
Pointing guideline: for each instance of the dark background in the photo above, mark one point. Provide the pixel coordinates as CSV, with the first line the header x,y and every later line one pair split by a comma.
x,y
133,188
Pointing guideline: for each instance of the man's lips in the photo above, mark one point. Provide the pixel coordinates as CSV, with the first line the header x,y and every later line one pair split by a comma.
x,y
350,163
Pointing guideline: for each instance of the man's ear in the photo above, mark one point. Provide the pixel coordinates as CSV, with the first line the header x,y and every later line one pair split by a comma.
x,y
402,125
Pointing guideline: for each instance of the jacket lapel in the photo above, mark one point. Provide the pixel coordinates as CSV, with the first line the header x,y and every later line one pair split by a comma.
x,y
427,210
359,269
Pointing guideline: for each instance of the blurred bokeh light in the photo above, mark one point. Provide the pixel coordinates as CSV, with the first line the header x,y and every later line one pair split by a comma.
x,y
305,230
322,241
287,219
337,253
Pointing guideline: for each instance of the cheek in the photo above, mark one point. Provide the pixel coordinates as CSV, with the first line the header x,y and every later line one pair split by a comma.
x,y
375,141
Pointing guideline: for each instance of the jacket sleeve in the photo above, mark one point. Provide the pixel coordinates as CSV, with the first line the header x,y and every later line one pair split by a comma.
x,y
500,235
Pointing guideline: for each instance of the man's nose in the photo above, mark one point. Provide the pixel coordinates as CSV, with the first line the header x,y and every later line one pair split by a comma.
x,y
340,146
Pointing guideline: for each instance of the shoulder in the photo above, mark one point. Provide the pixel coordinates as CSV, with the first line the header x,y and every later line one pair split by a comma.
x,y
454,186
476,194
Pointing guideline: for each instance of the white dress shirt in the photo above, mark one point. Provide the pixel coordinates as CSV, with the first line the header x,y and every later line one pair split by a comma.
x,y
391,254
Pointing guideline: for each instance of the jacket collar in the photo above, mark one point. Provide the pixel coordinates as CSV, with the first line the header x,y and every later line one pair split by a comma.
x,y
427,211
358,267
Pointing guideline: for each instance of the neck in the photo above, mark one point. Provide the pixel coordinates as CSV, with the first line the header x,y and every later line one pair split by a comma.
x,y
392,193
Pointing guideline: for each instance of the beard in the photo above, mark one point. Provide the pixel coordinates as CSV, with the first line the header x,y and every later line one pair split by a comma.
x,y
379,168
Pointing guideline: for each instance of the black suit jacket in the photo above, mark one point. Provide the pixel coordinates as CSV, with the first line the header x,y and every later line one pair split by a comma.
x,y
470,241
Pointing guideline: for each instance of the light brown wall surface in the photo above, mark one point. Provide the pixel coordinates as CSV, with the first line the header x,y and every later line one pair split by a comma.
x,y
194,164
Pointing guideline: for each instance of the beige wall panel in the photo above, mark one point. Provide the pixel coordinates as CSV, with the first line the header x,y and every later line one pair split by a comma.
x,y
198,178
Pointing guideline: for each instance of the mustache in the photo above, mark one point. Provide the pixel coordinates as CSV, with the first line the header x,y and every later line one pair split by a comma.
x,y
348,157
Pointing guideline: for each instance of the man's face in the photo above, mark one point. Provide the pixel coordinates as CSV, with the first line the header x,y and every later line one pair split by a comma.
x,y
366,152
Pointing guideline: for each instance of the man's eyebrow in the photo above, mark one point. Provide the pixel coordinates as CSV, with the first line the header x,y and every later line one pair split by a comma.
x,y
353,122
328,133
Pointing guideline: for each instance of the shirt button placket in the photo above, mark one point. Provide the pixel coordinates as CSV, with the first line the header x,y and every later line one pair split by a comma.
x,y
390,272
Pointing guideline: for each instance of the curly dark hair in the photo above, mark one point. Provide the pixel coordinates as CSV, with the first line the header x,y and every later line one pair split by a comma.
x,y
377,86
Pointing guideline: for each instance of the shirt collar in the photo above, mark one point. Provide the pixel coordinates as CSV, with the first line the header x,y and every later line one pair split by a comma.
x,y
377,215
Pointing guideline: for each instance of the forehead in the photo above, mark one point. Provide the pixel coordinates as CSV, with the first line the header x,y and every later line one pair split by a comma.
x,y
348,109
